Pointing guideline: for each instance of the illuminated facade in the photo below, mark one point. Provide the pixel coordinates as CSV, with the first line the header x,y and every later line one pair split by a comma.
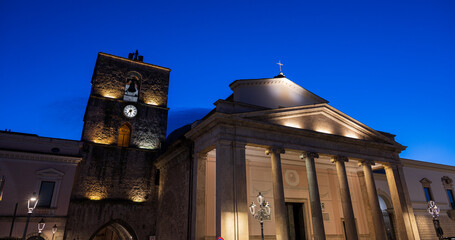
x,y
115,190
46,166
325,175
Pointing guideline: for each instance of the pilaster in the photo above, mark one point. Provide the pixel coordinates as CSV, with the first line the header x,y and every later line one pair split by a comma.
x,y
231,194
198,221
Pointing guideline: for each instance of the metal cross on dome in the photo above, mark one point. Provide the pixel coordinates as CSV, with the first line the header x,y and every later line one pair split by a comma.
x,y
280,64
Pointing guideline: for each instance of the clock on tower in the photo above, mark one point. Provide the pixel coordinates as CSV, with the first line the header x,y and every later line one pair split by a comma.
x,y
127,94
124,126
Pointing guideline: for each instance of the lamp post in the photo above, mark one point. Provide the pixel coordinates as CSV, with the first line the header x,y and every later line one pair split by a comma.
x,y
54,230
434,211
31,204
263,212
41,225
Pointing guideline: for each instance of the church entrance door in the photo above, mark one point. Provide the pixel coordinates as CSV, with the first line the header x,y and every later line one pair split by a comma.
x,y
296,221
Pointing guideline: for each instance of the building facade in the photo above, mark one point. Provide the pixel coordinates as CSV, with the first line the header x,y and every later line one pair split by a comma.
x,y
324,174
32,164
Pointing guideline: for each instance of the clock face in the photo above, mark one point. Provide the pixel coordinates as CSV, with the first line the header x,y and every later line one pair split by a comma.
x,y
130,111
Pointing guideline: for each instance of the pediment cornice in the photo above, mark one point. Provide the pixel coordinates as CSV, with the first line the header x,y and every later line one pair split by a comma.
x,y
323,109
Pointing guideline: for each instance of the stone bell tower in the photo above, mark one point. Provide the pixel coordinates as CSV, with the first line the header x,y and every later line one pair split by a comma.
x,y
115,191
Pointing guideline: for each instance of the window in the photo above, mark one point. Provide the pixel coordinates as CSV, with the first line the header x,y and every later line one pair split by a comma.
x,y
46,193
124,135
2,186
48,187
448,186
450,195
428,195
427,189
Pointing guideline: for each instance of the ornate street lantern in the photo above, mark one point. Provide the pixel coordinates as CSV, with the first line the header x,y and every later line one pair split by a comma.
x,y
41,225
54,230
263,212
31,205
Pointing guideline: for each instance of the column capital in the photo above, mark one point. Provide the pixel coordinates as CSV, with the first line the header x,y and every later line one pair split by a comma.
x,y
391,165
339,159
309,155
276,150
366,162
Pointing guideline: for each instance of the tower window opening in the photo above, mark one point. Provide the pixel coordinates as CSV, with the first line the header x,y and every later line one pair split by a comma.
x,y
124,135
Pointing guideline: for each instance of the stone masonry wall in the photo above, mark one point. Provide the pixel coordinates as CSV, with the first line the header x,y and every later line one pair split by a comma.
x,y
115,173
113,183
94,215
104,117
110,75
174,198
426,228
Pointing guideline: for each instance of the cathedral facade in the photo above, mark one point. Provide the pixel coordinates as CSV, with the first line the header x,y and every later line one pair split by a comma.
x,y
323,174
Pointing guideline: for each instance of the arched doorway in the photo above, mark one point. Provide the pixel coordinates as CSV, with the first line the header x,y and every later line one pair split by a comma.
x,y
387,214
115,230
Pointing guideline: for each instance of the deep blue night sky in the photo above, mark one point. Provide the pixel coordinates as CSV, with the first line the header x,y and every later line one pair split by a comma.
x,y
388,64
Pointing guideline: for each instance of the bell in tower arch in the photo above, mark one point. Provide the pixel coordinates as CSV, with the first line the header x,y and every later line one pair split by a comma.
x,y
132,87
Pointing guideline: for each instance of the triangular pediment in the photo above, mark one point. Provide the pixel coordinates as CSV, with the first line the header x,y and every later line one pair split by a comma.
x,y
50,173
320,118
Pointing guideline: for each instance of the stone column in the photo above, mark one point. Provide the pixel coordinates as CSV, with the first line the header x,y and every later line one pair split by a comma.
x,y
198,207
346,203
376,213
315,201
231,194
404,215
278,194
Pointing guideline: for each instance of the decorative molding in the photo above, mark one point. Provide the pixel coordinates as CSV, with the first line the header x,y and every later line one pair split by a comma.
x,y
275,150
427,165
13,155
312,155
292,178
447,182
133,61
50,173
339,158
425,182
366,162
